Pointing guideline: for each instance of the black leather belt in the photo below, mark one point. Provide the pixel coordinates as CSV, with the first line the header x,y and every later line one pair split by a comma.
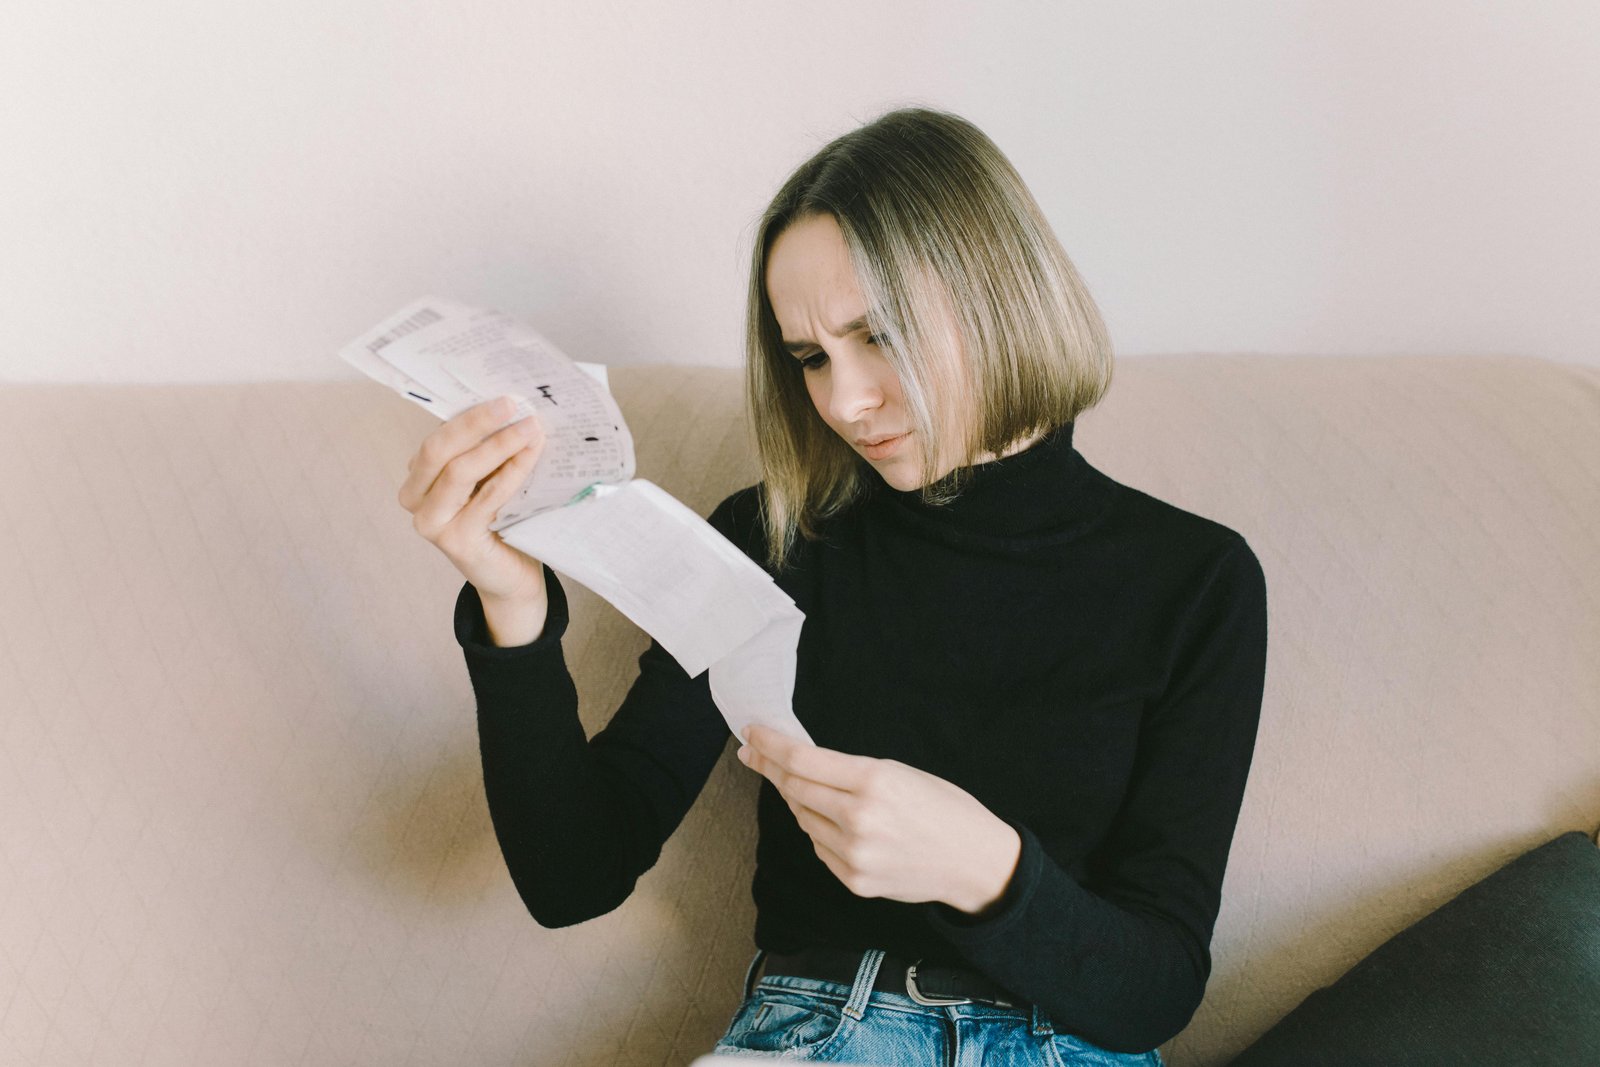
x,y
930,984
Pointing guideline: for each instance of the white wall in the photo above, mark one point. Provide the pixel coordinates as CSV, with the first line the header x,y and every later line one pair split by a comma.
x,y
214,190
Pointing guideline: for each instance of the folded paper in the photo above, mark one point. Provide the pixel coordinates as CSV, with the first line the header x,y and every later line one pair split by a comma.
x,y
582,512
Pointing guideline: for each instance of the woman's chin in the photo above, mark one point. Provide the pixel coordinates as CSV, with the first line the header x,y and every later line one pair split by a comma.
x,y
899,476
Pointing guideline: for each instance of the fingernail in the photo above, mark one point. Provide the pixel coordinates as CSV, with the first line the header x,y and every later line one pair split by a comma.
x,y
504,407
744,754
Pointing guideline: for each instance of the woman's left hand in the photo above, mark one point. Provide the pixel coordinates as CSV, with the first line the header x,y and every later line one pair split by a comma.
x,y
887,829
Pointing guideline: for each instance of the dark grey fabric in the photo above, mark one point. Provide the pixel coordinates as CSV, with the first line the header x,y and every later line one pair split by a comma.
x,y
1507,972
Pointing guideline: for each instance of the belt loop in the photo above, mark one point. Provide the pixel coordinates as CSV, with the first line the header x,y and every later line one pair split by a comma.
x,y
1041,1023
750,972
866,975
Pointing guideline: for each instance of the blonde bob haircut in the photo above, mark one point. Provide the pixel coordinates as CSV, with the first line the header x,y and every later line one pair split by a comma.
x,y
970,294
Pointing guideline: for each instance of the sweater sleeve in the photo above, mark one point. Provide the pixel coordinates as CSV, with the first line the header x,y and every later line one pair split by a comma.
x,y
1123,959
580,819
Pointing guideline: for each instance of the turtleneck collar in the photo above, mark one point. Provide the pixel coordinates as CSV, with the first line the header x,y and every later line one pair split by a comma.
x,y
1045,494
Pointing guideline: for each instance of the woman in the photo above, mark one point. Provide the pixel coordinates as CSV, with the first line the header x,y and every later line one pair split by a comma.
x,y
1034,691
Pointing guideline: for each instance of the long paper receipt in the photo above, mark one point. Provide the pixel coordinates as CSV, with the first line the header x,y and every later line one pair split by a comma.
x,y
582,511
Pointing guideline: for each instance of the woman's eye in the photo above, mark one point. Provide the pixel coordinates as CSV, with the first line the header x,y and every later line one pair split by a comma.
x,y
814,361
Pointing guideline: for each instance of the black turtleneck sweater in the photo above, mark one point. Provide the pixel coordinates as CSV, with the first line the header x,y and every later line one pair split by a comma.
x,y
1084,659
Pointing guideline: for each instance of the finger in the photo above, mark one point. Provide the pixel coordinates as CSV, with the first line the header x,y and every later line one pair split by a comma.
x,y
826,765
827,801
466,475
449,440
500,486
445,442
462,476
818,826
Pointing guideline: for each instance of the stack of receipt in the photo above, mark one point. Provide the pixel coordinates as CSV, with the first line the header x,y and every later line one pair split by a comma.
x,y
582,511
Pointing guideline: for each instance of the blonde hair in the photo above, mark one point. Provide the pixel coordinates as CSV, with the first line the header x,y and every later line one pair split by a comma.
x,y
968,289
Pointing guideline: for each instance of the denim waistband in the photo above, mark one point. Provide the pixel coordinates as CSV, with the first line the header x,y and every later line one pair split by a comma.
x,y
859,994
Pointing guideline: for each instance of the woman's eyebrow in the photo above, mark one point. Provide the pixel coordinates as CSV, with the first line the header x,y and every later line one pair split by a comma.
x,y
843,331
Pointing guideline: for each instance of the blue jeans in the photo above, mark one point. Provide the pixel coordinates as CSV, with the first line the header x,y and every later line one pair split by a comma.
x,y
787,1017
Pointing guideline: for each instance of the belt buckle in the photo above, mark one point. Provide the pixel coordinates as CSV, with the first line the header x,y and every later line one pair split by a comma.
x,y
922,998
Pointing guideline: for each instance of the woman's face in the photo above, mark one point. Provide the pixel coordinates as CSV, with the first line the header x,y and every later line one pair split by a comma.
x,y
820,310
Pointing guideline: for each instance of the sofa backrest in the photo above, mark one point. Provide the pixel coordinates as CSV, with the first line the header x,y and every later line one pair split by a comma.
x,y
243,797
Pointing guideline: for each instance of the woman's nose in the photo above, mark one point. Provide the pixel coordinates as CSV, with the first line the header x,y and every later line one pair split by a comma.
x,y
857,387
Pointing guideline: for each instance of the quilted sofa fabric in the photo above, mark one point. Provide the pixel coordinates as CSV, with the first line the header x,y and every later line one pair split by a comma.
x,y
243,818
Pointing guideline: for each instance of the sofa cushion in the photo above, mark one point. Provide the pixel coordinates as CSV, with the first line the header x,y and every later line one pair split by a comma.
x,y
1506,972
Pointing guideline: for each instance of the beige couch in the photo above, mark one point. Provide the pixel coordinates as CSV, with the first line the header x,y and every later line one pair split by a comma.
x,y
243,807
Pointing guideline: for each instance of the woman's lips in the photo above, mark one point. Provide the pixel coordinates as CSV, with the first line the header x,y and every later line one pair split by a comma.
x,y
885,449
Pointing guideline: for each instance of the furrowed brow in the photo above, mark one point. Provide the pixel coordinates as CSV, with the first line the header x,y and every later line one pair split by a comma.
x,y
844,331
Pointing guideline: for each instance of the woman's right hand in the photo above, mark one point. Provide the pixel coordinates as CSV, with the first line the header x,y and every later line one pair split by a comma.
x,y
460,476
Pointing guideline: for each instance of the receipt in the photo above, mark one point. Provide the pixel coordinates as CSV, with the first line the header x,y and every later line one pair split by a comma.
x,y
581,510
758,677
451,356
